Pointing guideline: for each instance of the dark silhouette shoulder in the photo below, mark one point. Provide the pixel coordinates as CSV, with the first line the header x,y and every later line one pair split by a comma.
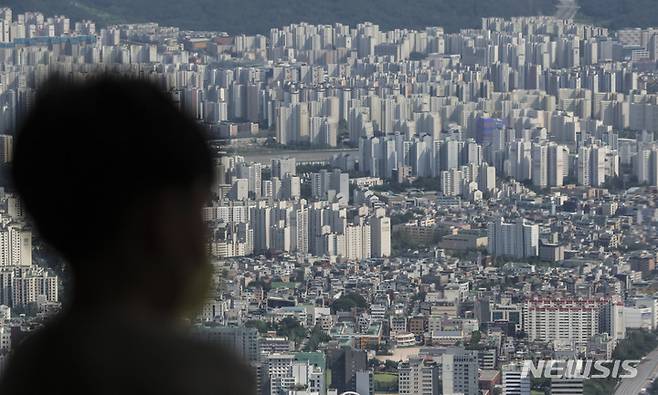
x,y
111,357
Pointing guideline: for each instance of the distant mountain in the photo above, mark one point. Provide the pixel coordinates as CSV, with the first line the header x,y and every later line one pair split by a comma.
x,y
617,14
258,16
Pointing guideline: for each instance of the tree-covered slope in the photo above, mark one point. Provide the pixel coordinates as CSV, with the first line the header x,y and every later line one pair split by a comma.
x,y
620,13
257,16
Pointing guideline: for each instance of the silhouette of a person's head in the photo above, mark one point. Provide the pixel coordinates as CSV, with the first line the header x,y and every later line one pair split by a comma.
x,y
114,177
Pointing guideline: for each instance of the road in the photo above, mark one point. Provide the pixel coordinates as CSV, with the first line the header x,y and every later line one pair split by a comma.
x,y
647,370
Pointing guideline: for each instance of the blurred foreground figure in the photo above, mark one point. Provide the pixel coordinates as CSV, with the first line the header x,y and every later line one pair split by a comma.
x,y
114,178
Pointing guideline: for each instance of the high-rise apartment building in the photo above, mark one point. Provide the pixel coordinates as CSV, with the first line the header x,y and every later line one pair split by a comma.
x,y
518,239
15,245
451,182
345,364
419,377
486,178
28,285
514,382
331,185
243,341
645,165
540,165
572,320
459,373
285,373
380,233
6,147
568,386
282,167
558,156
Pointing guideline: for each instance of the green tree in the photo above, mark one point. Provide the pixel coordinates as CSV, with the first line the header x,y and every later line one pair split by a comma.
x,y
349,301
476,336
636,345
316,337
290,328
262,326
391,365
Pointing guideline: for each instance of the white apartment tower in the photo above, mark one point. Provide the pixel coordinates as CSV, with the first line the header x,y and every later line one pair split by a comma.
x,y
357,241
33,285
515,383
646,165
584,166
451,182
557,164
418,377
572,320
592,166
15,246
518,239
459,372
380,233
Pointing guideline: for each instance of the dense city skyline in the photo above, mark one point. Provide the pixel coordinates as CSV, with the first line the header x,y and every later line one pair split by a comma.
x,y
394,211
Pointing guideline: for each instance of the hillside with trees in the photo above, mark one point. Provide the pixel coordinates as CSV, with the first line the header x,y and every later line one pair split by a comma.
x,y
258,16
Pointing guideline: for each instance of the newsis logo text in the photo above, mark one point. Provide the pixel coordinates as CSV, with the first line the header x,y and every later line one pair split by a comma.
x,y
580,369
